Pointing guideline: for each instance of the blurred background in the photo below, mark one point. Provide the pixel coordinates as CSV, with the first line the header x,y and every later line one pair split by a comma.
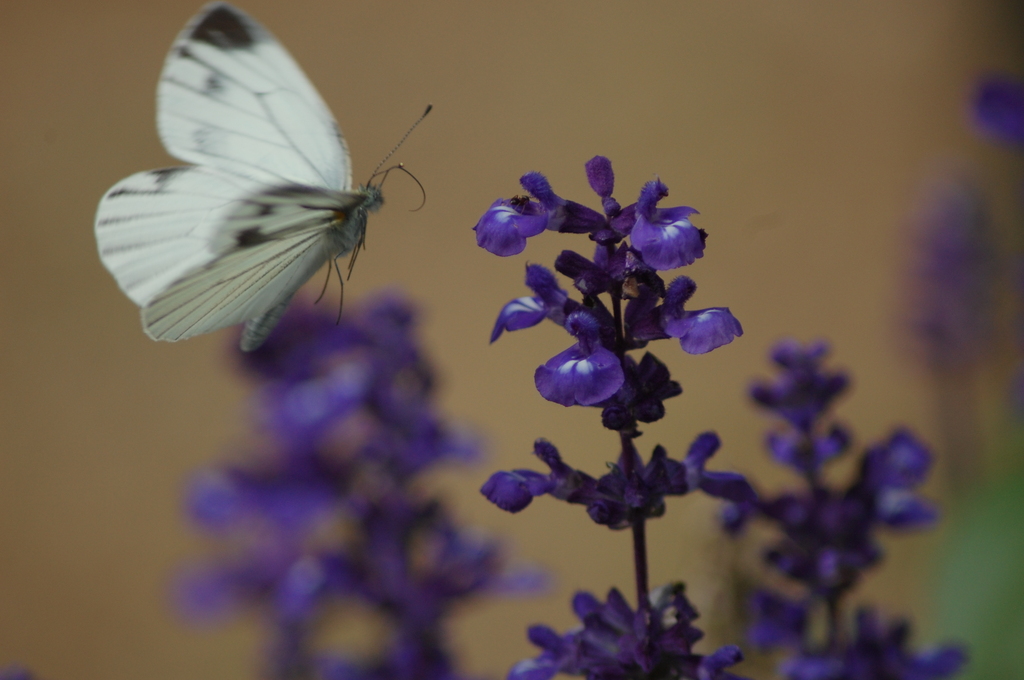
x,y
807,134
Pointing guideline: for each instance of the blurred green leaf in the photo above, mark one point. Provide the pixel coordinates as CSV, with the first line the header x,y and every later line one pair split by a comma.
x,y
981,581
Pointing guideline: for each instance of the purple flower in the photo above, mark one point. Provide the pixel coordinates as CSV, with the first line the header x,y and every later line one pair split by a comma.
x,y
728,485
564,216
507,224
586,373
664,236
999,108
549,302
513,491
699,331
304,412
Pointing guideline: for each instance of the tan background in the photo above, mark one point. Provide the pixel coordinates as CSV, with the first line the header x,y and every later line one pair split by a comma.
x,y
800,130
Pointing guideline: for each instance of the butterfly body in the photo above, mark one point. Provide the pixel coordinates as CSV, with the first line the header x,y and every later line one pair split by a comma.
x,y
267,202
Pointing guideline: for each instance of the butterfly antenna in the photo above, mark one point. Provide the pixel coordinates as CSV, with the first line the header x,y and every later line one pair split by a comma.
x,y
401,166
341,297
401,141
324,289
423,191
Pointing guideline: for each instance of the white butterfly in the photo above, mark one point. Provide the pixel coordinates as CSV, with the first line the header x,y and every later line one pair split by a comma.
x,y
270,199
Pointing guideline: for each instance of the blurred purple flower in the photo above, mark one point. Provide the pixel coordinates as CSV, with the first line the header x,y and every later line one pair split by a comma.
x,y
998,108
803,392
877,651
331,511
16,673
951,283
829,534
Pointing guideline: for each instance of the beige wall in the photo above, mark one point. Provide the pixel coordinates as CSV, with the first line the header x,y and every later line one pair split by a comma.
x,y
799,130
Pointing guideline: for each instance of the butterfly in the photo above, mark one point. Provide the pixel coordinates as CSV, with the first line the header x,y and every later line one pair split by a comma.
x,y
267,202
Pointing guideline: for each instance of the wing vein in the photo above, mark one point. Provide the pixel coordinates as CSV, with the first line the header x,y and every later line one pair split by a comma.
x,y
303,242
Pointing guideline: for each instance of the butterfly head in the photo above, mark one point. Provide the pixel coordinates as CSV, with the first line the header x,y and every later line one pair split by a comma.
x,y
373,197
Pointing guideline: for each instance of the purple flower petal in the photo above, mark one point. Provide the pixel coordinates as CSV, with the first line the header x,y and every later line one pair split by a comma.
x,y
546,638
812,668
939,662
677,294
304,411
902,462
513,491
330,667
543,283
702,448
541,668
588,277
539,187
901,509
711,666
600,176
703,330
521,313
506,225
574,377
667,243
213,501
665,237
731,486
298,592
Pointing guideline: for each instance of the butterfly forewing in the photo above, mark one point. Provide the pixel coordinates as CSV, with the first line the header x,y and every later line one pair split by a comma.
x,y
232,98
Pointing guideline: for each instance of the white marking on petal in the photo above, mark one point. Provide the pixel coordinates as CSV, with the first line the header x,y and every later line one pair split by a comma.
x,y
568,367
524,304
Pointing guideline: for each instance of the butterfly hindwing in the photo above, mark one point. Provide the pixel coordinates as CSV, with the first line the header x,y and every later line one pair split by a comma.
x,y
241,285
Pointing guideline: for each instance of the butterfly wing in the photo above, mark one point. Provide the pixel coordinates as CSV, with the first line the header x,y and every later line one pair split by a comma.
x,y
232,98
155,226
200,250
